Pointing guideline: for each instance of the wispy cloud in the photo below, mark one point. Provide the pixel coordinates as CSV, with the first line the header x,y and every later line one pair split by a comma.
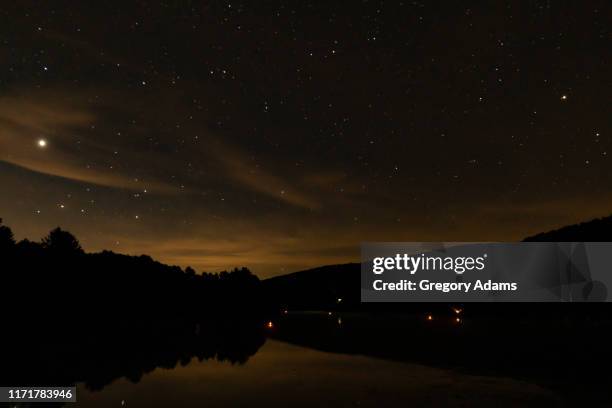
x,y
237,168
63,123
72,126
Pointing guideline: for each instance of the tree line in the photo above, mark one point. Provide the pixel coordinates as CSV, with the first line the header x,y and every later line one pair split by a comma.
x,y
57,274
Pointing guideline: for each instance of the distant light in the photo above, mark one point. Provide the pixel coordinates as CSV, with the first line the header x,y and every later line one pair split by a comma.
x,y
429,317
457,310
564,97
270,325
42,143
329,313
339,300
285,311
458,320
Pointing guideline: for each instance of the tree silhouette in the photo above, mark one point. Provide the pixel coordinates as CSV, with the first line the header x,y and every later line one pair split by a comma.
x,y
6,237
29,248
60,241
54,268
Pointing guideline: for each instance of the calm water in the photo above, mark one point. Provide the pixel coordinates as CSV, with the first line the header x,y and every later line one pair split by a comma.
x,y
286,375
320,359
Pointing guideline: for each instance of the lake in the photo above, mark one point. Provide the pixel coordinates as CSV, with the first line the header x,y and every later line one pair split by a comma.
x,y
362,360
319,359
285,375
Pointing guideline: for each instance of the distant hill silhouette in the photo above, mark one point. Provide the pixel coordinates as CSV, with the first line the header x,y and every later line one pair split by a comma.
x,y
320,288
597,230
330,288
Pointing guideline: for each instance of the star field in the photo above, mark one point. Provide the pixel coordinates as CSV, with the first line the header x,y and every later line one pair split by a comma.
x,y
279,136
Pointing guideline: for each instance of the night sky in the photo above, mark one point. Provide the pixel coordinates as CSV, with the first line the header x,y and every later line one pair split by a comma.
x,y
280,135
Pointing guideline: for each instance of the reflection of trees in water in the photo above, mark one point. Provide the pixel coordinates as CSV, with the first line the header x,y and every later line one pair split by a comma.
x,y
98,354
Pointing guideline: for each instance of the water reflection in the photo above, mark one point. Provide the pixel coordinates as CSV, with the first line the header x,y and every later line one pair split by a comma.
x,y
97,354
284,375
318,359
